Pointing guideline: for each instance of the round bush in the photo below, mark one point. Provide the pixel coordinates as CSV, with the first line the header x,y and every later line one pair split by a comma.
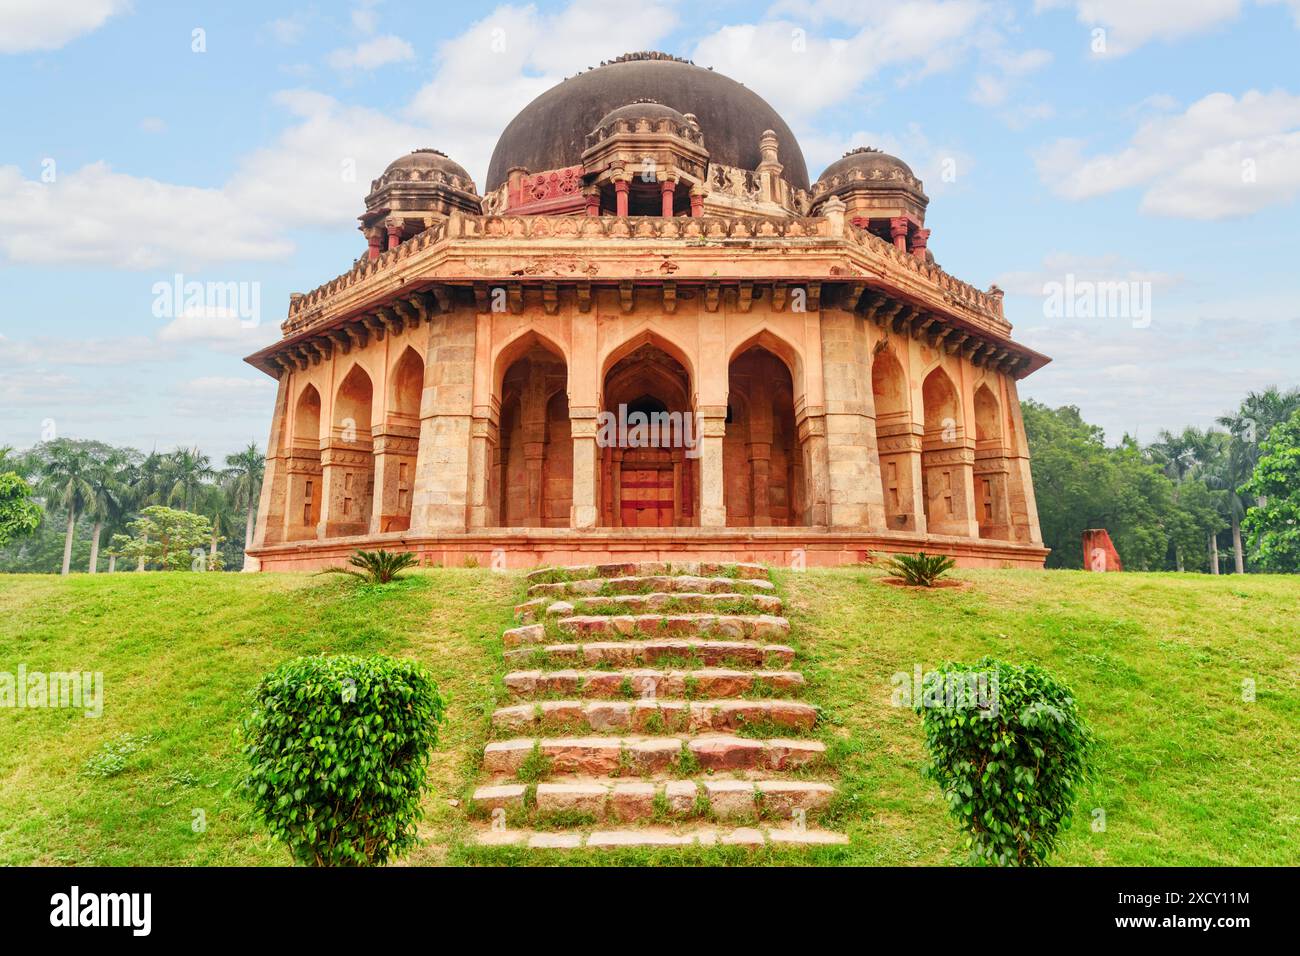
x,y
338,749
1009,750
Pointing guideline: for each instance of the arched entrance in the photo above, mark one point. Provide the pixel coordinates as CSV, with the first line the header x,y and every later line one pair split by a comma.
x,y
532,469
304,468
397,442
945,459
348,460
763,477
648,443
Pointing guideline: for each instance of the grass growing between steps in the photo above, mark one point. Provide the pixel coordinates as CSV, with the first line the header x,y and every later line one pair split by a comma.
x,y
1189,773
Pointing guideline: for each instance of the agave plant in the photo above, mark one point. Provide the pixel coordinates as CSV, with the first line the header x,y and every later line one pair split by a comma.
x,y
376,567
920,570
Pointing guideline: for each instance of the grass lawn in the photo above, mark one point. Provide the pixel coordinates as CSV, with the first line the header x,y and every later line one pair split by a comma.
x,y
1189,772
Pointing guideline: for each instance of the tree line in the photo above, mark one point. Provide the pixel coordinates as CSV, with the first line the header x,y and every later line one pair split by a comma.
x,y
83,504
1213,500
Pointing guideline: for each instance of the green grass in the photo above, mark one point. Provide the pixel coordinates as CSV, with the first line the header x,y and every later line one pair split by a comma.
x,y
1188,772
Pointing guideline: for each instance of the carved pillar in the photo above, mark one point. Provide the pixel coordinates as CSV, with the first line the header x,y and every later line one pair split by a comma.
x,y
442,471
620,197
697,201
374,240
712,423
919,240
1022,506
667,190
269,526
592,196
394,228
585,511
760,461
816,466
395,454
348,485
898,232
856,494
484,473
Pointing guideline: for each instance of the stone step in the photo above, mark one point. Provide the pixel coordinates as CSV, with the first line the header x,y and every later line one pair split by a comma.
x,y
588,587
648,683
632,756
632,653
625,569
654,716
730,627
651,837
635,800
533,610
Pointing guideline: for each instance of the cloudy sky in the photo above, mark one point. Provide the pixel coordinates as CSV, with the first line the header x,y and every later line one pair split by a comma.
x,y
1065,144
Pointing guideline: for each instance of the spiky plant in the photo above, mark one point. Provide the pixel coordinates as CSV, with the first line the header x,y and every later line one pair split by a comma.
x,y
920,570
376,567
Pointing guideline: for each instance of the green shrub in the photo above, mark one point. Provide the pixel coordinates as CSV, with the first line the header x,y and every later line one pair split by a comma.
x,y
376,567
337,749
920,570
1009,768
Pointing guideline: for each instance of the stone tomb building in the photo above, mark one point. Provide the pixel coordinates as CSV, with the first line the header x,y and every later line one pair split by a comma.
x,y
647,241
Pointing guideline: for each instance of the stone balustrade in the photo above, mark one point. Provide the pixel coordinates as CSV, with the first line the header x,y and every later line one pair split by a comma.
x,y
304,309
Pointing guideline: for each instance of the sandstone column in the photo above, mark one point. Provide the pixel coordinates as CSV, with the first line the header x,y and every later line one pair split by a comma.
x,y
812,439
856,493
711,428
442,472
269,528
585,511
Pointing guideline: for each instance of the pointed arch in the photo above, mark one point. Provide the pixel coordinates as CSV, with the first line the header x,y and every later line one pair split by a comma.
x,y
406,385
988,415
762,454
941,406
656,338
306,418
516,347
772,341
888,384
354,403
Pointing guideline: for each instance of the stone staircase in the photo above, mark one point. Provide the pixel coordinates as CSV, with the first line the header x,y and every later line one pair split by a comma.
x,y
653,704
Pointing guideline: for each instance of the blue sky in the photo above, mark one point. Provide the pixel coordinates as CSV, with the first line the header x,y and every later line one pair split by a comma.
x,y
1139,142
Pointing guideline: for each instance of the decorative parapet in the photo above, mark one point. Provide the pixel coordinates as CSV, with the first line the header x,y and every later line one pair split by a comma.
x,y
875,254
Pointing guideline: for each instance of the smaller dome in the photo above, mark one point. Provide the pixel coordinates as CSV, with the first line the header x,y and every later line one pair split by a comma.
x,y
870,166
427,164
653,112
642,109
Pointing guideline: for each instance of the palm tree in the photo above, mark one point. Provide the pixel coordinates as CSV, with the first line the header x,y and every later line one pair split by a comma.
x,y
1249,427
66,481
1190,455
244,482
186,470
108,490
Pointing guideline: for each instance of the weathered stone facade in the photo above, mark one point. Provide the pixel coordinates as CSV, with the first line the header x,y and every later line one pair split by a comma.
x,y
847,395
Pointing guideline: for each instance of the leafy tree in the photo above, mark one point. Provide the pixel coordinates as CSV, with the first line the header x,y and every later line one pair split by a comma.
x,y
1276,485
1250,426
19,515
108,488
243,474
66,481
165,537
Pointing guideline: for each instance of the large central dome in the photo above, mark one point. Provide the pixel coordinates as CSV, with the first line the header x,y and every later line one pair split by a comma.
x,y
551,131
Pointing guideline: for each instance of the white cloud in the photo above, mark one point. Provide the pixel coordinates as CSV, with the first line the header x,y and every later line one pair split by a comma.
x,y
372,54
1222,157
153,124
220,333
501,62
28,25
1103,268
1129,24
219,396
95,216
